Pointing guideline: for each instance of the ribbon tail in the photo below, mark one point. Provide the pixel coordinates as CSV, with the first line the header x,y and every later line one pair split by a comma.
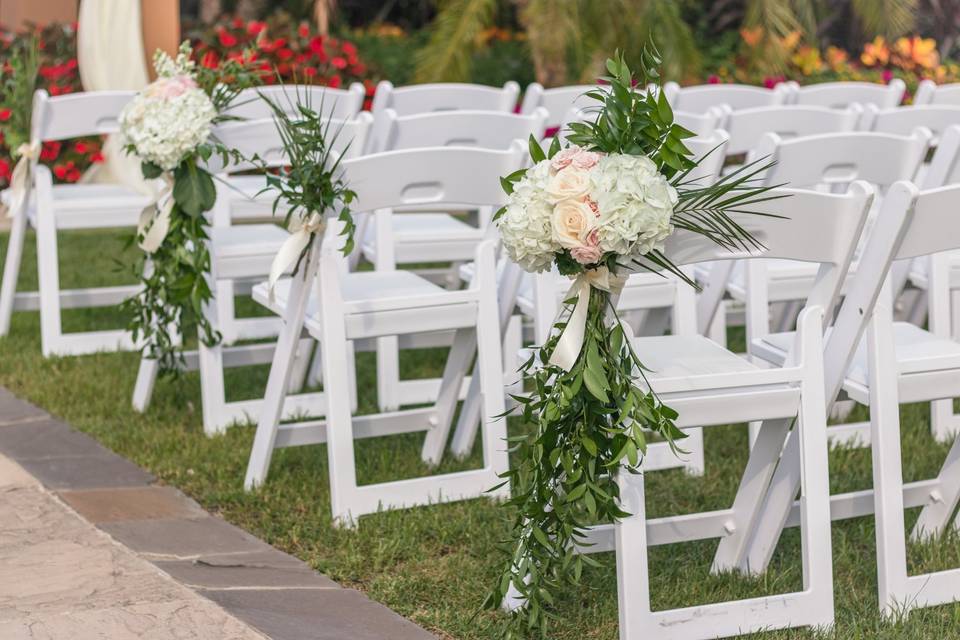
x,y
19,187
154,225
570,343
289,252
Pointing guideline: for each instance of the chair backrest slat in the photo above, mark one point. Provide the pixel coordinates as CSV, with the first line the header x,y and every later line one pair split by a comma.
x,y
87,113
455,175
929,92
802,225
700,98
944,167
837,159
484,129
341,104
261,137
445,96
843,93
902,121
748,126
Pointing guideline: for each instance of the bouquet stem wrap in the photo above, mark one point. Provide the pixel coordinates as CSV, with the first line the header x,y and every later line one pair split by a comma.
x,y
571,339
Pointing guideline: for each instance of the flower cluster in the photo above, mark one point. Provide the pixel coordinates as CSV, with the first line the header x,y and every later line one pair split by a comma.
x,y
766,59
284,49
58,75
171,117
588,205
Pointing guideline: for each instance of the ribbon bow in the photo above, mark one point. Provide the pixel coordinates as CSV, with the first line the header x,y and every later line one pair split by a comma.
x,y
293,246
20,178
570,343
155,217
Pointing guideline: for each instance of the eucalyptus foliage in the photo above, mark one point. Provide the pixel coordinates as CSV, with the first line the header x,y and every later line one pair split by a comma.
x,y
591,422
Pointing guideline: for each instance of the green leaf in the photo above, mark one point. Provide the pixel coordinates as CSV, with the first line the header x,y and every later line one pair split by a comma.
x,y
536,152
596,385
193,189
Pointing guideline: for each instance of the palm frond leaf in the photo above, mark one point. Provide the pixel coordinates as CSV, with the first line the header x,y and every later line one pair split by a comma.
x,y
447,55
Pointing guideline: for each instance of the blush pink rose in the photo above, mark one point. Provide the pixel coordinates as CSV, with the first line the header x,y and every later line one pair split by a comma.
x,y
167,88
586,255
563,158
585,160
594,207
589,252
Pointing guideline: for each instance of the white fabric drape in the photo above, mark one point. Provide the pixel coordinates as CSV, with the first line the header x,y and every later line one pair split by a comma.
x,y
110,56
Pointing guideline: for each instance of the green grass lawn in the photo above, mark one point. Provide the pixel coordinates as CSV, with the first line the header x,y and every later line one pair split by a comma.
x,y
434,564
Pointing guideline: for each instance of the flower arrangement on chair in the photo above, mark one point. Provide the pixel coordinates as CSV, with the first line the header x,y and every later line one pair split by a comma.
x,y
597,208
168,126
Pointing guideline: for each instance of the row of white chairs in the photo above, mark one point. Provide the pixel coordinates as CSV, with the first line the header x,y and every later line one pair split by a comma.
x,y
351,310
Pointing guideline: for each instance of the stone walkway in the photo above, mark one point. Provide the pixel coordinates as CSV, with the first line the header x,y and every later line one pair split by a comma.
x,y
91,549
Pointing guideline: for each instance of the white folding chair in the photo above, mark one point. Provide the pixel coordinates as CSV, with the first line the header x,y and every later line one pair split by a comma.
x,y
50,209
939,278
929,92
841,94
240,256
444,96
892,363
748,126
337,307
336,104
700,98
709,385
431,234
827,161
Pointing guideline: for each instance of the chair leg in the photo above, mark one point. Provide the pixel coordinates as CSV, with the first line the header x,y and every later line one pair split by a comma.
x,y
455,370
146,380
212,388
388,373
892,581
280,371
753,485
490,373
340,454
49,281
633,582
11,270
315,374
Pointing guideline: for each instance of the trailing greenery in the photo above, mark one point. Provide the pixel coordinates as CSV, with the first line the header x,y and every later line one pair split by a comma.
x,y
174,276
590,423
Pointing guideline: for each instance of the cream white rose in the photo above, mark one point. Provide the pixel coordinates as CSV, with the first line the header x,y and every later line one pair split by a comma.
x,y
569,184
572,223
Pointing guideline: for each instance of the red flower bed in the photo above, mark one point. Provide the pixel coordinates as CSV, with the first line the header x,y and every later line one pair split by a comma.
x,y
58,75
284,51
294,52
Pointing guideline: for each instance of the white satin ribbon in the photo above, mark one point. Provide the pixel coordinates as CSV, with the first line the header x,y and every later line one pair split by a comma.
x,y
293,246
20,178
155,217
570,343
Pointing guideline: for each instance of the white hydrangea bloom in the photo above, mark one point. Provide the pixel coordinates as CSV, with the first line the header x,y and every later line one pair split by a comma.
x,y
526,225
170,117
635,204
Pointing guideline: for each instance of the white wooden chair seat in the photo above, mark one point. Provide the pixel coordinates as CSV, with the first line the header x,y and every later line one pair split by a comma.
x,y
81,206
917,351
377,291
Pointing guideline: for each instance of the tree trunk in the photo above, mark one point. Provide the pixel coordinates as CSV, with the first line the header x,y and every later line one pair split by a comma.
x,y
323,13
546,37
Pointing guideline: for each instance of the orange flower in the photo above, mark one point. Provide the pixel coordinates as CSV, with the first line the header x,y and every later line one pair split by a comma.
x,y
790,41
917,52
752,35
836,57
876,53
